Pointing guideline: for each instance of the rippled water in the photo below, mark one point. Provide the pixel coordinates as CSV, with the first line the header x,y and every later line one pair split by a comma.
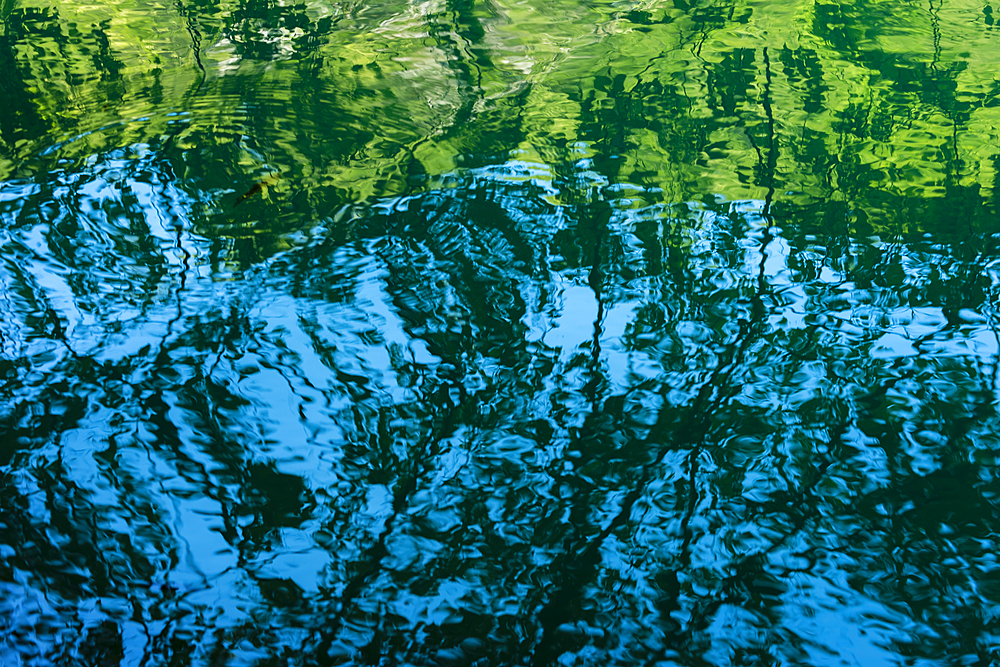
x,y
458,333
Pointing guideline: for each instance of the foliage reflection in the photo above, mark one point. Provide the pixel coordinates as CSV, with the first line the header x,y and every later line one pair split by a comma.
x,y
666,341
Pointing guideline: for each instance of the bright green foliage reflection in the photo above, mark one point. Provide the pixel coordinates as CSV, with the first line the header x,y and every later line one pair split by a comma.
x,y
499,333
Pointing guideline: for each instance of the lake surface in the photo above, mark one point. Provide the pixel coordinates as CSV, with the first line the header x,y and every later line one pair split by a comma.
x,y
499,333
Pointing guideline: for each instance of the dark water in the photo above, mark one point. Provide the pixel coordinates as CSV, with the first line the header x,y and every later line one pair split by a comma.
x,y
499,333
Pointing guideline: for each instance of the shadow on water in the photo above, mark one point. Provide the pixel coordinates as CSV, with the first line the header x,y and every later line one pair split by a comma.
x,y
461,335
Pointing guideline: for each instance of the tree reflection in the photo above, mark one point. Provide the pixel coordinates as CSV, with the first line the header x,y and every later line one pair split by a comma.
x,y
478,382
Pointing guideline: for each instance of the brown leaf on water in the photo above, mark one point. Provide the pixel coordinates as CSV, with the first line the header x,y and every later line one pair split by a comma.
x,y
258,187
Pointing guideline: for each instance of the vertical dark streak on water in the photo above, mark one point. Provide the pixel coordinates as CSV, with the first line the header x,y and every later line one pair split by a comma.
x,y
769,174
457,7
168,174
954,146
596,279
936,30
195,44
772,155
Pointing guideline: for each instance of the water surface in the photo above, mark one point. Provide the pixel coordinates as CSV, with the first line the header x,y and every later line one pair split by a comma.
x,y
499,333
